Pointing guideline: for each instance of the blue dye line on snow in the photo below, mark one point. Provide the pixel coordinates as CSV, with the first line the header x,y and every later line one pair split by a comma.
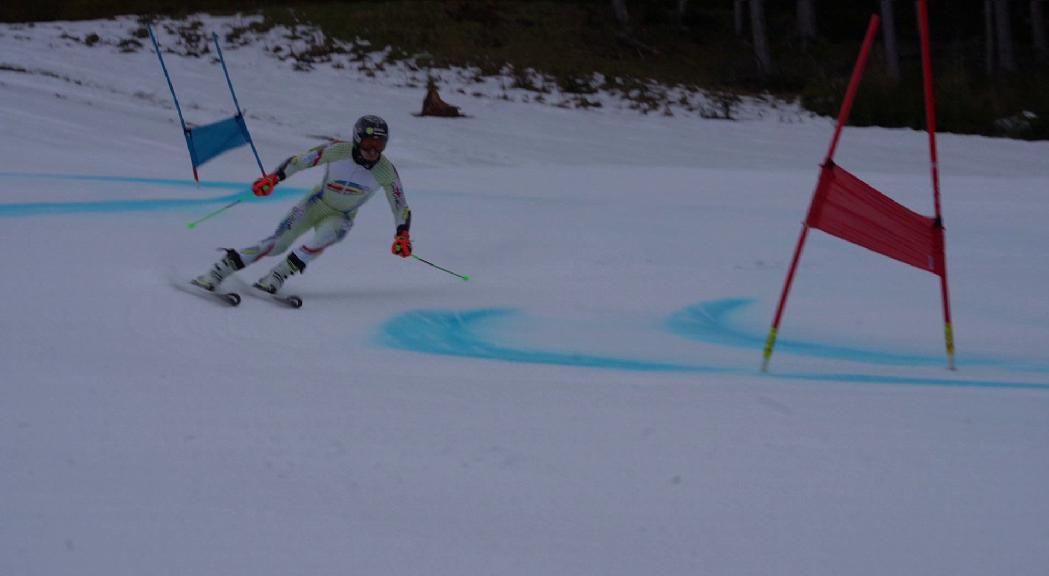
x,y
148,205
712,323
912,381
474,334
460,334
186,183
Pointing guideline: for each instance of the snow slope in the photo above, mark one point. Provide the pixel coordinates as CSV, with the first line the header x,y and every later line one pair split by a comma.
x,y
590,402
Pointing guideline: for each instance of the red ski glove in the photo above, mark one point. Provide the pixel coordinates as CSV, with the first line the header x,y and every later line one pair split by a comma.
x,y
264,186
402,245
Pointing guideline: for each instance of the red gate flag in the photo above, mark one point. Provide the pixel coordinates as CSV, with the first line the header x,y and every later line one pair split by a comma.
x,y
849,208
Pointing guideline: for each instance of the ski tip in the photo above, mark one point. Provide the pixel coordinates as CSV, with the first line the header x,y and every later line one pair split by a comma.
x,y
466,278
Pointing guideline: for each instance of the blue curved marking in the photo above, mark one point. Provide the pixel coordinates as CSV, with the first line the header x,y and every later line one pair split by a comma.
x,y
463,334
122,179
477,334
912,381
145,205
713,323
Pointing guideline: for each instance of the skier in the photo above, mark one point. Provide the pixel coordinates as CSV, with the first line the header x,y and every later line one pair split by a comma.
x,y
353,174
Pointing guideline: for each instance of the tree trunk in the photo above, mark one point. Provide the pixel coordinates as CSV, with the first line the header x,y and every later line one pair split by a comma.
x,y
761,40
619,9
988,33
806,21
1041,50
740,19
1004,29
888,30
679,13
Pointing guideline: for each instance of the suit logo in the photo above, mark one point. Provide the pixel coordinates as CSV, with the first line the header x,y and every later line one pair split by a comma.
x,y
346,187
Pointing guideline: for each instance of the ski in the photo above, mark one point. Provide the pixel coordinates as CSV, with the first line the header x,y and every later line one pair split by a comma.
x,y
254,291
231,298
289,300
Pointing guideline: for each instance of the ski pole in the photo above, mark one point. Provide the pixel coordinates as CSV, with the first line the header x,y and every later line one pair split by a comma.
x,y
465,278
193,224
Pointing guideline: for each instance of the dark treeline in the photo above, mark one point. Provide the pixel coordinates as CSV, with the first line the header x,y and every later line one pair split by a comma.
x,y
990,56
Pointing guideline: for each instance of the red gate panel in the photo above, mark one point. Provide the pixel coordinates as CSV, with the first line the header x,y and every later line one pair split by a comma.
x,y
849,208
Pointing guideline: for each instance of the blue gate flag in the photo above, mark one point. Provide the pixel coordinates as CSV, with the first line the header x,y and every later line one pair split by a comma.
x,y
208,141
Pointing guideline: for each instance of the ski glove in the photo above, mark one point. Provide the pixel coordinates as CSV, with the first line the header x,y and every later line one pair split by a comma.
x,y
264,186
402,244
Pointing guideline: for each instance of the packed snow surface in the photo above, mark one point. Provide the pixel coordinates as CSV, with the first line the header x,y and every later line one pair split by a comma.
x,y
589,402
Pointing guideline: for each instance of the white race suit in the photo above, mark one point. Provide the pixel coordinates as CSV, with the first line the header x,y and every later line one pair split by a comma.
x,y
330,207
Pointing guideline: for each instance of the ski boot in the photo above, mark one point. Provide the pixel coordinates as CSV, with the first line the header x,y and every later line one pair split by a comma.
x,y
272,281
229,264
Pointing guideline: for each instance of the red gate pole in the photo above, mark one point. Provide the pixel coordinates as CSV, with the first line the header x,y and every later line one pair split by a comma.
x,y
930,118
770,341
854,83
843,117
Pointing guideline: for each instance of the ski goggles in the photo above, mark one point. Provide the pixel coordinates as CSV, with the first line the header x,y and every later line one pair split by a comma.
x,y
372,145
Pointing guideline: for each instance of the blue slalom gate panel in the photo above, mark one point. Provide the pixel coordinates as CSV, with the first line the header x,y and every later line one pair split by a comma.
x,y
208,141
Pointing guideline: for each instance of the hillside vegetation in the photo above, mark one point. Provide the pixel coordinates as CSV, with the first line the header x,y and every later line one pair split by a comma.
x,y
571,43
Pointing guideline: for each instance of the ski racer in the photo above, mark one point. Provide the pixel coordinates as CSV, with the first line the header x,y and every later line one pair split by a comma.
x,y
354,172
